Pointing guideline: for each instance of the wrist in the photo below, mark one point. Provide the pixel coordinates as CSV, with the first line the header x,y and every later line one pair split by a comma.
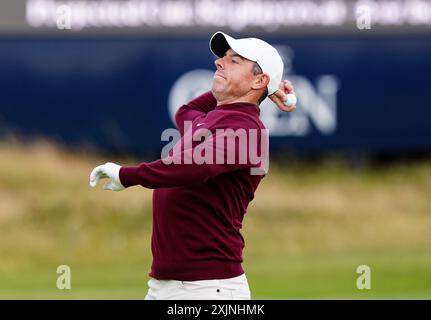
x,y
126,176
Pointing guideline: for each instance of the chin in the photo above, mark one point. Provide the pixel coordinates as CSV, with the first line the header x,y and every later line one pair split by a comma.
x,y
215,90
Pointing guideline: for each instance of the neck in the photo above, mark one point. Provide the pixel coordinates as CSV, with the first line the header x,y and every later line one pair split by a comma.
x,y
247,98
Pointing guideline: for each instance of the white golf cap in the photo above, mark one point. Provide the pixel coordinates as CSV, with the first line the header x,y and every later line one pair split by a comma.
x,y
266,56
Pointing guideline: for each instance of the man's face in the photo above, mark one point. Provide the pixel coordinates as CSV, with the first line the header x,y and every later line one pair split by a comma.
x,y
233,77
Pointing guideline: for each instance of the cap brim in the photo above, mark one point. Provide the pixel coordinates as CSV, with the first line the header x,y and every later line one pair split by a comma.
x,y
219,43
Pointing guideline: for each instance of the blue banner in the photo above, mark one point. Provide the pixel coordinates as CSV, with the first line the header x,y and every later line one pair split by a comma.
x,y
355,93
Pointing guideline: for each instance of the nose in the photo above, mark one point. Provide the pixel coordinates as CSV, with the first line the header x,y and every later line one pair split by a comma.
x,y
219,63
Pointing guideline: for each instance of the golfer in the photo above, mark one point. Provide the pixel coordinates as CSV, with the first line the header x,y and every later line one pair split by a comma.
x,y
199,206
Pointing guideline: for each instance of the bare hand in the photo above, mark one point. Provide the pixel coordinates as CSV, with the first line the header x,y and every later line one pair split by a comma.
x,y
279,96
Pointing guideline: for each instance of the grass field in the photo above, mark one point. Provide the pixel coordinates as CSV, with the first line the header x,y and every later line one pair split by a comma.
x,y
306,232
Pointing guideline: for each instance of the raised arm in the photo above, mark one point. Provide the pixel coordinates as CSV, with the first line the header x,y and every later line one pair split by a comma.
x,y
195,108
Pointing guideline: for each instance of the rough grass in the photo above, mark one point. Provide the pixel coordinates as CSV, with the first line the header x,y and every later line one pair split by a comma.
x,y
306,232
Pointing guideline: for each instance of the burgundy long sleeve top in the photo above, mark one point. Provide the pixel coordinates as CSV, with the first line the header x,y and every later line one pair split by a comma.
x,y
198,208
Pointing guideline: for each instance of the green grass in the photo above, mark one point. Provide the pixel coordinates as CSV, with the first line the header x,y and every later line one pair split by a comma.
x,y
395,275
333,276
306,232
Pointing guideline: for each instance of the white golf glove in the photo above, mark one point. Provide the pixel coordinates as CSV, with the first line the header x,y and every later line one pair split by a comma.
x,y
108,170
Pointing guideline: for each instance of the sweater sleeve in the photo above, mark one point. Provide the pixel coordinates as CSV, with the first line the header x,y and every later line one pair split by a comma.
x,y
195,108
182,167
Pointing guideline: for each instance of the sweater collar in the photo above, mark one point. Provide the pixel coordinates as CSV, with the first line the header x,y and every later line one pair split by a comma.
x,y
241,107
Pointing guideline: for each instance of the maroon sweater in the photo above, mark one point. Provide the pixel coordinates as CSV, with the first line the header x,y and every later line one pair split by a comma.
x,y
198,209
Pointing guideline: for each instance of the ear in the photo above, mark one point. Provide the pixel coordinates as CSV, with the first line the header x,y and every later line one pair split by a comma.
x,y
260,81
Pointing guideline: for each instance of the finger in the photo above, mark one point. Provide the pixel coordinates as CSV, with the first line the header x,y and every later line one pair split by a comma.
x,y
280,95
95,175
108,186
288,87
285,108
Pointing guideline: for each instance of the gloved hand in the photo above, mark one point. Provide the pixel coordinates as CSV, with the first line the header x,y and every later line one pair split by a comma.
x,y
108,170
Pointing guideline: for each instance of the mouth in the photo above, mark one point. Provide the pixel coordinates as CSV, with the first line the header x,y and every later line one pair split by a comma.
x,y
219,75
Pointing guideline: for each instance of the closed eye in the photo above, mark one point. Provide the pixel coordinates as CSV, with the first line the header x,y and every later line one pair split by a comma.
x,y
234,57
